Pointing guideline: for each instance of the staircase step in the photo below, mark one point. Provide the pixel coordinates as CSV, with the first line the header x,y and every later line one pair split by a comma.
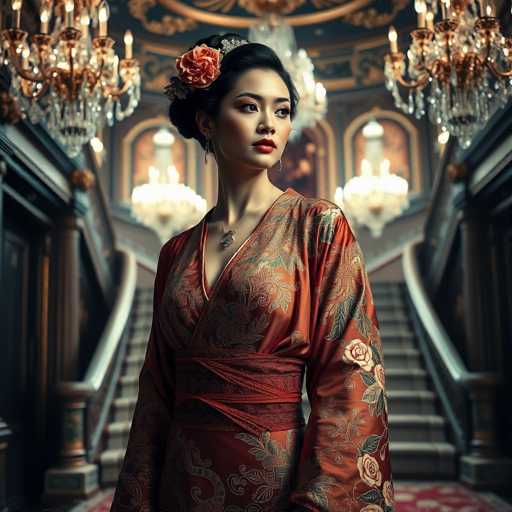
x,y
116,435
141,325
139,339
137,349
144,292
111,462
397,340
133,364
402,358
128,386
403,401
386,285
392,293
144,299
389,316
417,428
122,408
399,331
406,379
398,307
415,460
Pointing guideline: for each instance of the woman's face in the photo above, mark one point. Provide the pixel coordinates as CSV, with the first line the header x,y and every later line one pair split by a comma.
x,y
258,107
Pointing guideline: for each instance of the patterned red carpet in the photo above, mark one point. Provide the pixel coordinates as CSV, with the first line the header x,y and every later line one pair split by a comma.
x,y
409,497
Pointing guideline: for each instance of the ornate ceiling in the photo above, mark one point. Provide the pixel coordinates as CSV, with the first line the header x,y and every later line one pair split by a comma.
x,y
347,39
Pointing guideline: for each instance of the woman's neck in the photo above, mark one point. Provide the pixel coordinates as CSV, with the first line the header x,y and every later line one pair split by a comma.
x,y
236,199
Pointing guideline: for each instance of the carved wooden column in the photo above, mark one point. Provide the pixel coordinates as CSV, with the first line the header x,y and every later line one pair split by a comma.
x,y
68,296
73,476
476,270
484,466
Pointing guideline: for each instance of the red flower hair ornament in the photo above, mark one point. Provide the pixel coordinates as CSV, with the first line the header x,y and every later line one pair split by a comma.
x,y
198,68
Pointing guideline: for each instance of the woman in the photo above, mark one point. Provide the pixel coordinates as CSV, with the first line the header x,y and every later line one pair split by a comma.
x,y
267,285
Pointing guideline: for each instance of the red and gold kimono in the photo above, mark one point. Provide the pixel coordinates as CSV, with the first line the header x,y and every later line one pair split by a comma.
x,y
218,425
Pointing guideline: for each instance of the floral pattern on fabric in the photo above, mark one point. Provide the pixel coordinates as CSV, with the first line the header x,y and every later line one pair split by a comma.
x,y
297,289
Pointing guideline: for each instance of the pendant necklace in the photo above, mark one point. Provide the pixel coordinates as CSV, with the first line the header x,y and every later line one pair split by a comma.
x,y
227,238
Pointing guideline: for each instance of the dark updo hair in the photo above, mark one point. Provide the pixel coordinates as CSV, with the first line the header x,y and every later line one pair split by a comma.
x,y
182,112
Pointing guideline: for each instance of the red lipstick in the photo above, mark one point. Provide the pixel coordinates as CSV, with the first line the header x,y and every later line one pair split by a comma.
x,y
265,145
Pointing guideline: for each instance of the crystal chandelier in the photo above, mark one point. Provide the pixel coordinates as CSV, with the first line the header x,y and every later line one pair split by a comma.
x,y
164,204
273,31
66,77
373,199
459,68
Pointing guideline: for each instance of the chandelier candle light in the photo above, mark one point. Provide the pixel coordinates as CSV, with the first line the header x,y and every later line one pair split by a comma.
x,y
461,66
165,204
67,78
373,199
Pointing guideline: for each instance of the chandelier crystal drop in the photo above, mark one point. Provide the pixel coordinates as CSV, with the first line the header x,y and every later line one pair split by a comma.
x,y
459,68
68,78
373,199
274,31
164,204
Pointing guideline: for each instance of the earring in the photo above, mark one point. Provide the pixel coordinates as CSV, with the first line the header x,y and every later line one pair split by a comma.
x,y
280,166
207,149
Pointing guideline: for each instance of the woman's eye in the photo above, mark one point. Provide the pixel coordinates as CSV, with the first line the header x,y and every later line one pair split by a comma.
x,y
248,105
285,110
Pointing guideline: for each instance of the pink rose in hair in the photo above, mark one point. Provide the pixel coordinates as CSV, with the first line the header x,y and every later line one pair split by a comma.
x,y
200,66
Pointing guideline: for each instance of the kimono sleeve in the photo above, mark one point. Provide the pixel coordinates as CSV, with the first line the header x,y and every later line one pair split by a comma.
x,y
137,486
344,462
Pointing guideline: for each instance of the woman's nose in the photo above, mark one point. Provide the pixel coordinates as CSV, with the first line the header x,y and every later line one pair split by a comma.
x,y
267,124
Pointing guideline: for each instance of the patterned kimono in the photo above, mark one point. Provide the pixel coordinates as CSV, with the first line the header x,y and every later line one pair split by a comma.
x,y
218,425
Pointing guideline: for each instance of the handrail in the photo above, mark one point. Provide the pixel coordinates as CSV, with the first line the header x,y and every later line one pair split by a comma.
x,y
440,339
479,387
86,403
112,333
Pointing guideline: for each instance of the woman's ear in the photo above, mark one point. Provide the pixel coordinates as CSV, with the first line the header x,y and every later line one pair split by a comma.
x,y
204,123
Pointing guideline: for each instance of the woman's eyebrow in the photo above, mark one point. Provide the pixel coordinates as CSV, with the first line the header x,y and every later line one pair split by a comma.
x,y
258,97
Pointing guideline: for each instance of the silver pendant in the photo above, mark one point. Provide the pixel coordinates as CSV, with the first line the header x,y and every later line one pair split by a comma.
x,y
227,239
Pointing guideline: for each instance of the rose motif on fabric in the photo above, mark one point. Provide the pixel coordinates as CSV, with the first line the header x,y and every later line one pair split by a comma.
x,y
378,371
372,508
359,353
200,66
369,470
389,493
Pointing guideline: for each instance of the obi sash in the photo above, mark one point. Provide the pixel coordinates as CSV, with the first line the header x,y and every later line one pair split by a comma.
x,y
257,392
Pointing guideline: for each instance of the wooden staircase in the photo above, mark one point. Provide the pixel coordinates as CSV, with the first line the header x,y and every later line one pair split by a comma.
x,y
123,405
418,431
419,443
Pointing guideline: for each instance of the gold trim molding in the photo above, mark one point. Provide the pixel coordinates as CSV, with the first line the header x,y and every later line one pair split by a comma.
x,y
167,26
246,22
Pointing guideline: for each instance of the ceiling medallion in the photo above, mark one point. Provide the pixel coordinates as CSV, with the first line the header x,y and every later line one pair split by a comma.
x,y
167,26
